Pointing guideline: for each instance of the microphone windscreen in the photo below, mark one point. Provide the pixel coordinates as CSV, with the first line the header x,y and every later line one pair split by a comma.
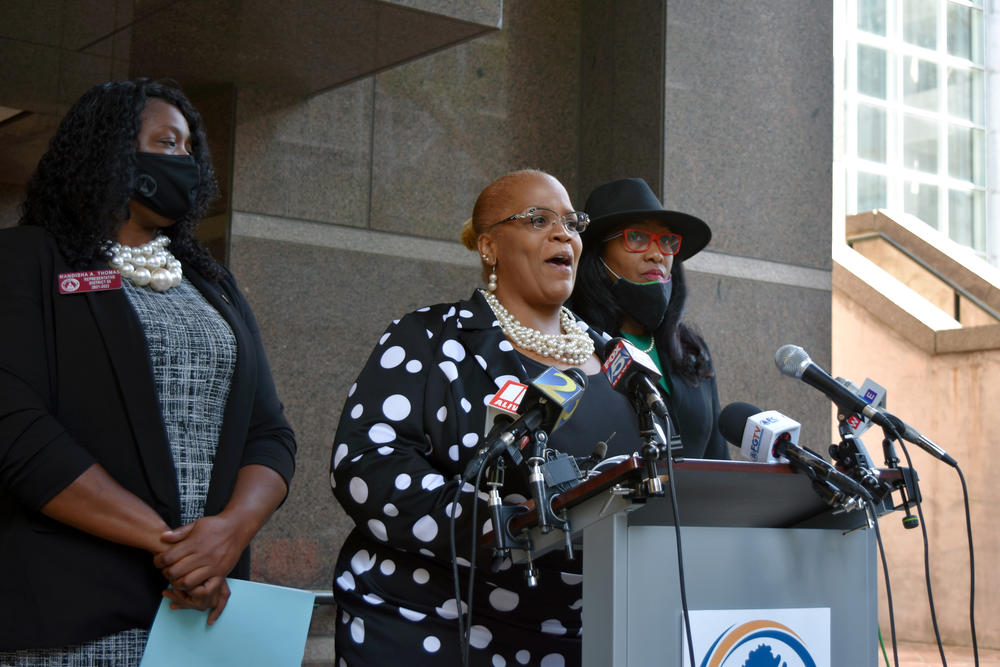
x,y
733,420
609,347
791,360
578,376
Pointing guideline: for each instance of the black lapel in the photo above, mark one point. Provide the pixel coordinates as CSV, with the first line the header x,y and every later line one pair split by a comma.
x,y
482,334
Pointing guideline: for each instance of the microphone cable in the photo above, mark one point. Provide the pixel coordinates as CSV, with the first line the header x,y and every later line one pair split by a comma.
x,y
927,560
972,569
464,625
680,557
870,509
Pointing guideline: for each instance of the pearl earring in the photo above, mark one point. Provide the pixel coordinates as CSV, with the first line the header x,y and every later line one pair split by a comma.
x,y
491,285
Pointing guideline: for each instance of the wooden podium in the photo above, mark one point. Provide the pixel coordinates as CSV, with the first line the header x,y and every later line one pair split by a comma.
x,y
754,536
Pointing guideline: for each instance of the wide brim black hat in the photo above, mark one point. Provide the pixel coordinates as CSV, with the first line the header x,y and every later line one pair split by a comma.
x,y
631,198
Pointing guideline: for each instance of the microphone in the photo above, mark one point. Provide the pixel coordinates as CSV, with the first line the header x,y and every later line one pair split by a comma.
x,y
910,434
596,456
770,435
545,405
871,393
760,431
633,373
793,361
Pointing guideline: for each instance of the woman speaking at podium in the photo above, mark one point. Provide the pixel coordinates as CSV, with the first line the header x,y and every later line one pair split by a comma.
x,y
416,417
632,284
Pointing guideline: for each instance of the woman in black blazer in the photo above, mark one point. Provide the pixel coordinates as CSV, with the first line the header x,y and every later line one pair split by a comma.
x,y
631,283
142,443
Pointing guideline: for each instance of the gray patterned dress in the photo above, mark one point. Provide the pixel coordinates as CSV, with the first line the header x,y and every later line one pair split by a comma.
x,y
192,351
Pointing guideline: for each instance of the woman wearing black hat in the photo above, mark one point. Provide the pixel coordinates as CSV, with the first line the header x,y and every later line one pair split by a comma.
x,y
631,283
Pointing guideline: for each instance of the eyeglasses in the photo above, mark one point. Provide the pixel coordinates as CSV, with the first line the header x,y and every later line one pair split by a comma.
x,y
541,219
639,240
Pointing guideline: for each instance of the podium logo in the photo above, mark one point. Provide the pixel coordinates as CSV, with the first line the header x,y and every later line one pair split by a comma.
x,y
761,637
762,643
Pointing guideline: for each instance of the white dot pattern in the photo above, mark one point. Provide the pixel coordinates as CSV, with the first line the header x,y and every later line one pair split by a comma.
x,y
393,357
415,418
377,529
396,408
381,433
411,615
339,453
359,490
358,630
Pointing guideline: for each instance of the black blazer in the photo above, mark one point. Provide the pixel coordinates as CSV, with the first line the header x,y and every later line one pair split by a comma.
x,y
695,411
76,387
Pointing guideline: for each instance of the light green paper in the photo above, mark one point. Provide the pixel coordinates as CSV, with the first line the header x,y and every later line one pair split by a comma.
x,y
261,625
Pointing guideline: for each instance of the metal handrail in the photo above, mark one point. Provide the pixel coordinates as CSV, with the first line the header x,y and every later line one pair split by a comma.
x,y
930,269
324,597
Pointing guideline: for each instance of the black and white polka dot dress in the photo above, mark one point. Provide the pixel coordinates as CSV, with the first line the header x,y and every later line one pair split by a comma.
x,y
410,424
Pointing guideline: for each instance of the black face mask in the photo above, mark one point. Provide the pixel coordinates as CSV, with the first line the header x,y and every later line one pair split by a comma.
x,y
646,303
167,184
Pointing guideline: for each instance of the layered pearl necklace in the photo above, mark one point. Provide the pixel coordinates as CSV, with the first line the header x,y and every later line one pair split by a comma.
x,y
150,264
573,346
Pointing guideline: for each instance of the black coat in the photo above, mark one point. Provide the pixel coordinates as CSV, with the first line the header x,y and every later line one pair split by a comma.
x,y
76,388
695,411
411,423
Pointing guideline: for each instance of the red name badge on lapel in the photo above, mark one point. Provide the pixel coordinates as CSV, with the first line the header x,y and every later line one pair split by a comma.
x,y
89,281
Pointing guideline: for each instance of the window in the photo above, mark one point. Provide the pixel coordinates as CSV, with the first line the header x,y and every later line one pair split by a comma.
x,y
913,103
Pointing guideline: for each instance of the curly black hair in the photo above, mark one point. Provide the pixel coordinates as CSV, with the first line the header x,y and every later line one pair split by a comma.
x,y
81,188
593,301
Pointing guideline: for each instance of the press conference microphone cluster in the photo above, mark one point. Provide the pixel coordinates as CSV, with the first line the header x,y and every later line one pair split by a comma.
x,y
771,437
795,362
545,401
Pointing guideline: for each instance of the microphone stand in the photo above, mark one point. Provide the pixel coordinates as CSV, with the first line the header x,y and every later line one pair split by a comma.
x,y
853,458
655,447
501,515
652,448
547,519
909,491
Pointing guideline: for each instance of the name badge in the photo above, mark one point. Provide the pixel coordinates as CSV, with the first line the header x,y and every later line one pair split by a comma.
x,y
89,281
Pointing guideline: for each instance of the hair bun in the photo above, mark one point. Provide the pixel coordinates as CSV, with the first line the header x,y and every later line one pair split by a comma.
x,y
469,235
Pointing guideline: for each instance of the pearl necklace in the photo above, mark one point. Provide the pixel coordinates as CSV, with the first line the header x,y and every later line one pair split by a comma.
x,y
149,264
652,342
573,346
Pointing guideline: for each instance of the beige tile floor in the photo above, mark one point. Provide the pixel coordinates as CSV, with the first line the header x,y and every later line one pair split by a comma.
x,y
921,655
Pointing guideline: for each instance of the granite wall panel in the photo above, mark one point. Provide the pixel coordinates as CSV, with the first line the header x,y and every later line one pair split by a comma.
x,y
744,323
621,84
447,125
748,120
321,311
307,159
